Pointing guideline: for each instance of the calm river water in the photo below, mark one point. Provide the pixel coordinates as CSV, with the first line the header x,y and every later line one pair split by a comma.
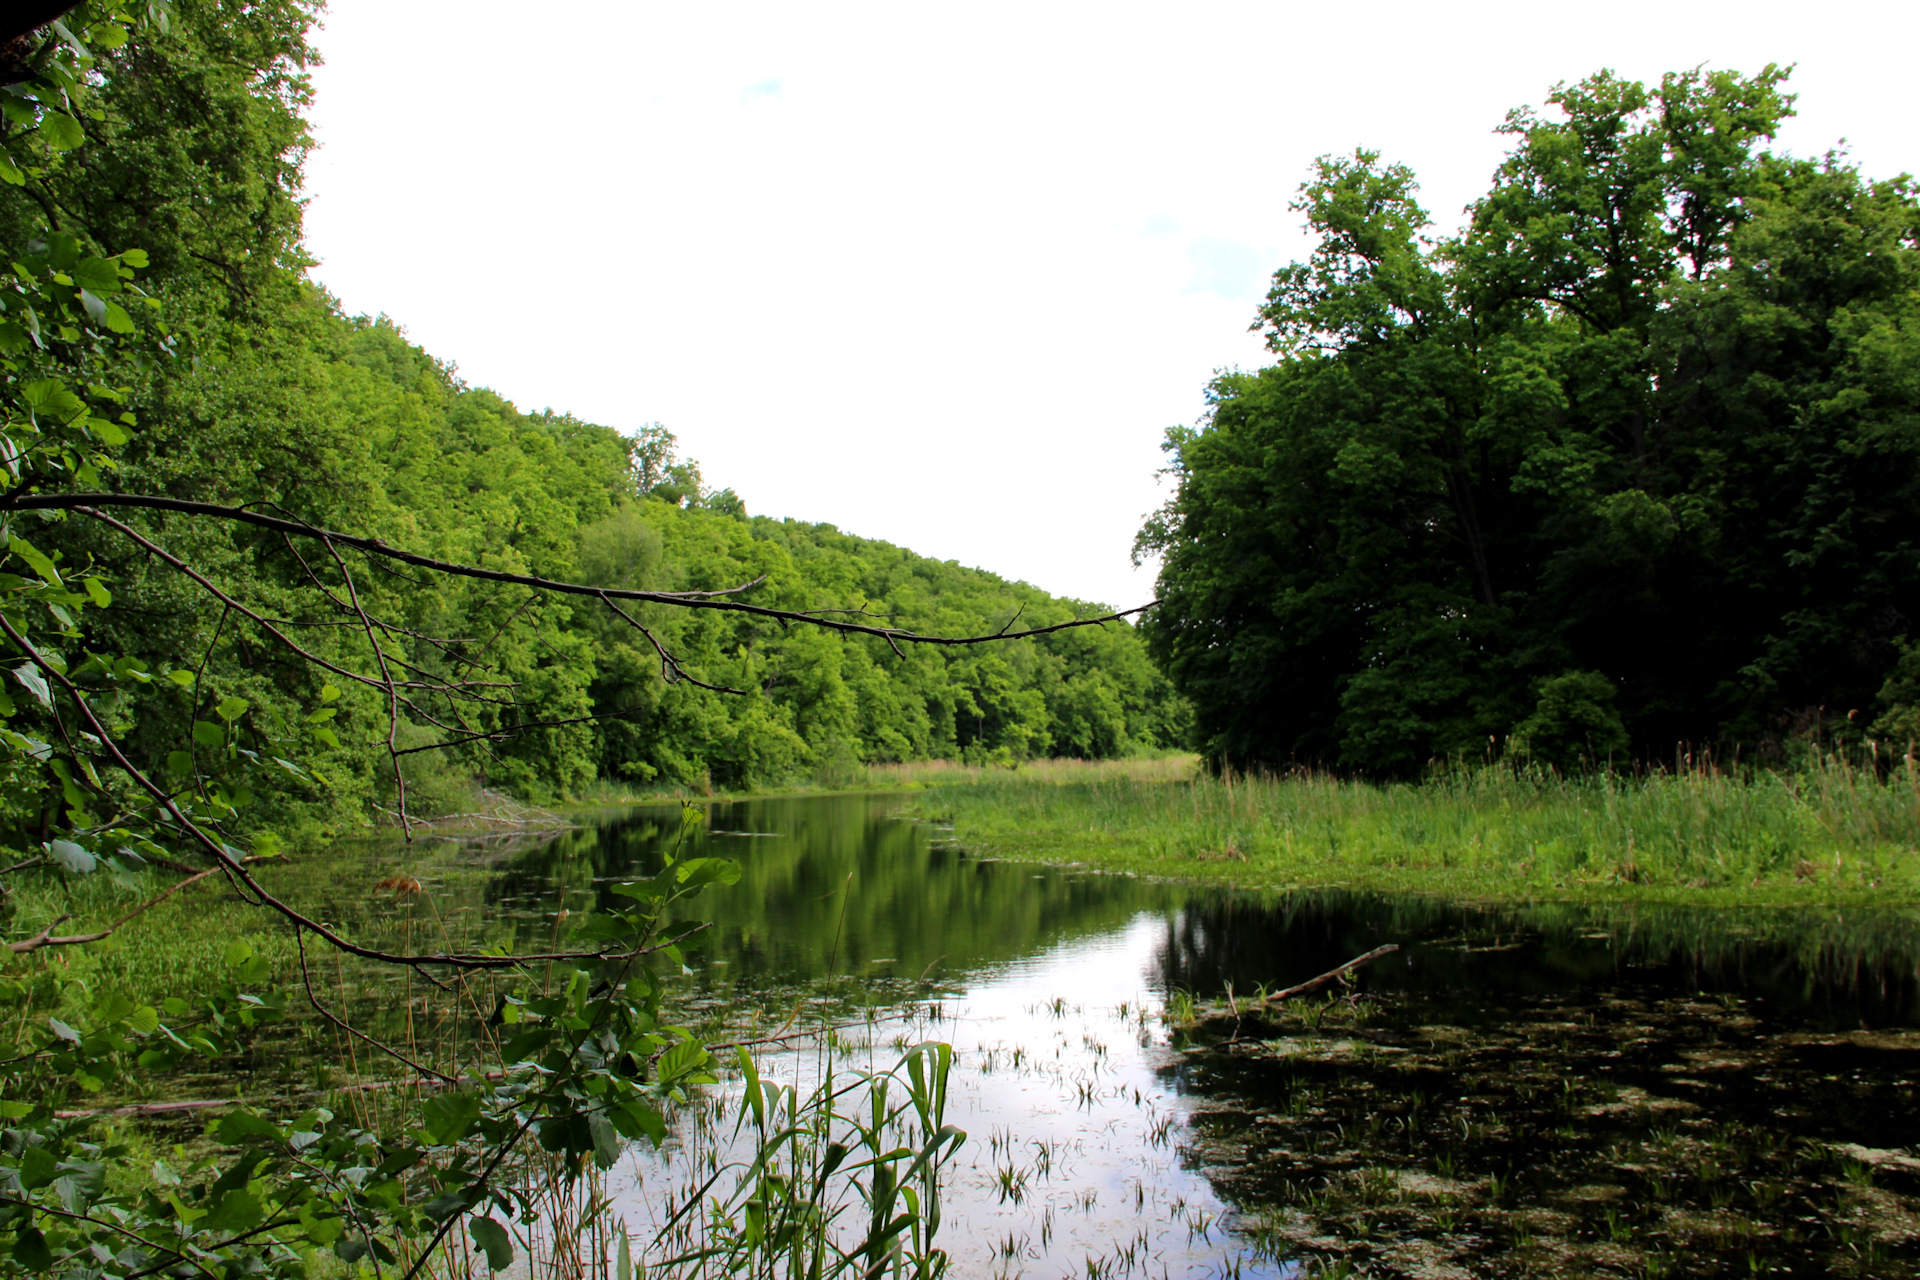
x,y
1547,1089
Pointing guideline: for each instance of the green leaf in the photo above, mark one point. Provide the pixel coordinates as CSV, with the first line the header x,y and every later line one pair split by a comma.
x,y
699,871
208,734
134,257
181,678
64,1031
34,683
116,319
490,1236
41,564
71,857
180,763
448,1116
102,275
687,1060
320,1231
98,593
323,734
606,1142
30,1250
61,131
11,174
238,1210
94,305
231,709
81,1183
145,1020
242,1125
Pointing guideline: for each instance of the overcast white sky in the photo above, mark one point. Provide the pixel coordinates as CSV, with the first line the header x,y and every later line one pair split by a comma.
x,y
934,273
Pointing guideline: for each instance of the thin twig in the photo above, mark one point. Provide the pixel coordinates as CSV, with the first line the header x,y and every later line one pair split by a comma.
x,y
306,980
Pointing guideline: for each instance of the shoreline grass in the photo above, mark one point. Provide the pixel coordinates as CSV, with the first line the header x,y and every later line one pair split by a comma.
x,y
1830,832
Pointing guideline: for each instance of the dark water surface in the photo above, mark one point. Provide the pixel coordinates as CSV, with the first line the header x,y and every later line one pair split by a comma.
x,y
1540,1089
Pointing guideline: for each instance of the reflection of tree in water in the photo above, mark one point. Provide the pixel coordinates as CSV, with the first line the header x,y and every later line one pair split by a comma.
x,y
1838,968
838,887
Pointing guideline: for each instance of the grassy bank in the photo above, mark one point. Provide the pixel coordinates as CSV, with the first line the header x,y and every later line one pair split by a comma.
x,y
1828,832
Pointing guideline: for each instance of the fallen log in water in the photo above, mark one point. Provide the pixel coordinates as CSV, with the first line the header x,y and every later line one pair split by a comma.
x,y
1314,984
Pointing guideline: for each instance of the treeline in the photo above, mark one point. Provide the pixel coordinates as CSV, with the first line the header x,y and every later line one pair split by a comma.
x,y
1632,462
244,384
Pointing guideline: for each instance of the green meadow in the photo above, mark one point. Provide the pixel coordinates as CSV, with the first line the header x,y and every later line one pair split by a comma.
x,y
1830,831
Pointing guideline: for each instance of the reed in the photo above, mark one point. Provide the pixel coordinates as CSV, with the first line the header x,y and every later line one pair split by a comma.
x,y
1835,827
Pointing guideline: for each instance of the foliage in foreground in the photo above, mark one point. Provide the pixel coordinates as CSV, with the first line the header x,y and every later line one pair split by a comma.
x,y
121,756
1631,461
1830,829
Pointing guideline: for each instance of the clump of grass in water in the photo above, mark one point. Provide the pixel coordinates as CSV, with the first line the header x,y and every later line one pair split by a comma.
x,y
1835,826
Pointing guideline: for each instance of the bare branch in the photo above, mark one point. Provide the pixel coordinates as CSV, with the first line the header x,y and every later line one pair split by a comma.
x,y
225,861
47,938
670,669
306,979
87,502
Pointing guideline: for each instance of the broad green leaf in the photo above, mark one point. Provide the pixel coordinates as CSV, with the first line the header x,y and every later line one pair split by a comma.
x,y
699,871
80,1183
71,857
64,1031
102,275
238,1210
180,763
40,563
687,1060
61,131
134,257
606,1142
30,1250
208,734
231,709
239,1126
493,1240
447,1117
115,317
94,305
98,593
320,1231
34,683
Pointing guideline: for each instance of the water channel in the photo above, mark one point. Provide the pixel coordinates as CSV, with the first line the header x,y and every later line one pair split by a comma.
x,y
1542,1089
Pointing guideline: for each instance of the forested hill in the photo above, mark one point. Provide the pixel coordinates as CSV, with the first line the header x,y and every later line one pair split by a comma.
x,y
461,473
202,364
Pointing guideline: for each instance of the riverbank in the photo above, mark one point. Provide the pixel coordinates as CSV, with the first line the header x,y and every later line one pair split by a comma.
x,y
1829,833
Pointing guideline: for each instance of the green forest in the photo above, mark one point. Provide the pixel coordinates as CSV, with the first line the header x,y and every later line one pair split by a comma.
x,y
1571,557
218,373
1625,468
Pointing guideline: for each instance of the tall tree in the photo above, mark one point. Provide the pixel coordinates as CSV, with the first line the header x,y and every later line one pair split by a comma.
x,y
1638,439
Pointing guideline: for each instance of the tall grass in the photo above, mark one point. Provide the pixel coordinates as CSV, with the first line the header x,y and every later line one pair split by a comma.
x,y
1832,826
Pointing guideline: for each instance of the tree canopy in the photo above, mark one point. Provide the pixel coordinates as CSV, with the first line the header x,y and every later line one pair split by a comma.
x,y
1628,462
